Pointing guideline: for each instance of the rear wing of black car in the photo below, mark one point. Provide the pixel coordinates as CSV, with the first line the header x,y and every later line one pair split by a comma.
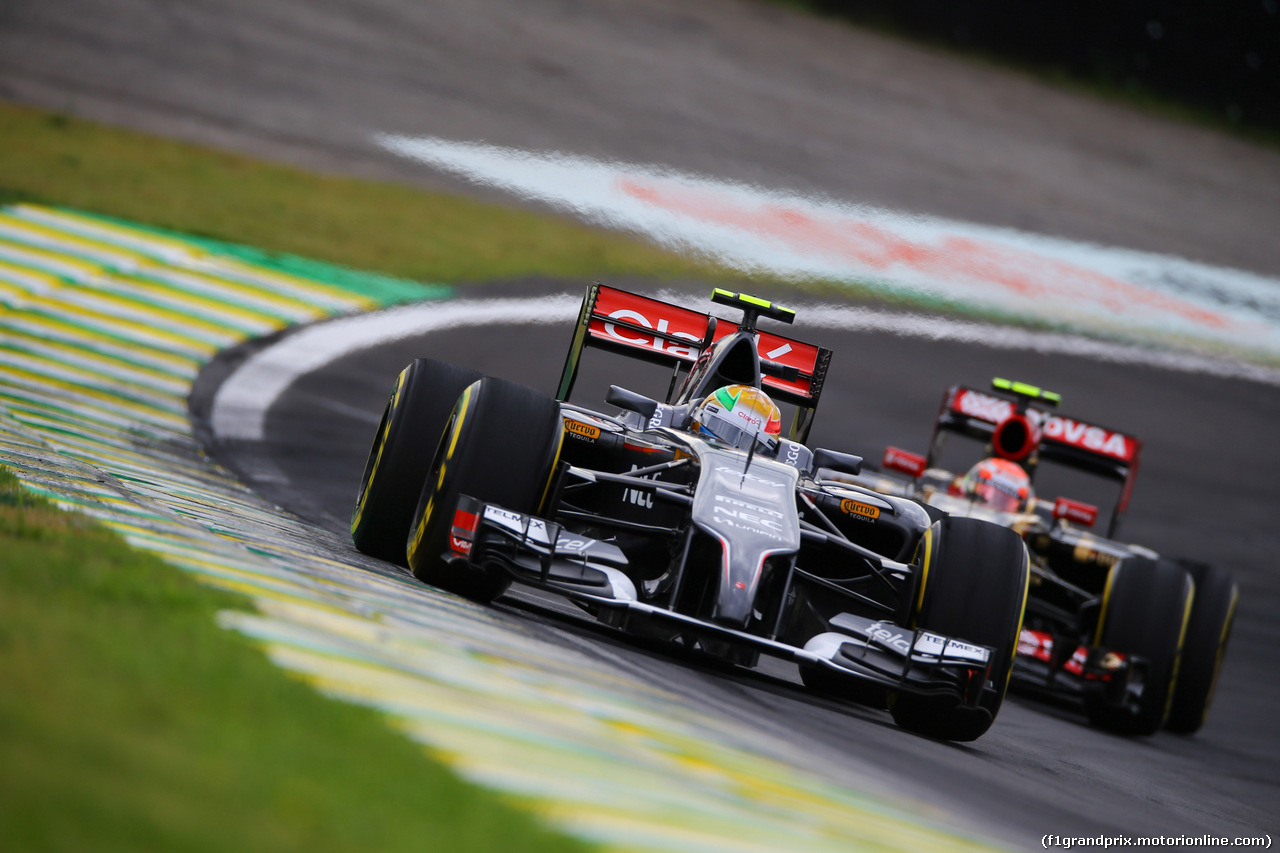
x,y
1075,444
659,332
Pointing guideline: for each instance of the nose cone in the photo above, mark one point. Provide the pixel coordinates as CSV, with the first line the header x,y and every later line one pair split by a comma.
x,y
739,583
751,511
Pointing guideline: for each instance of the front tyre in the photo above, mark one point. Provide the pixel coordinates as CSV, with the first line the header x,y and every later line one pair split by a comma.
x,y
500,446
1212,614
1145,611
973,588
412,421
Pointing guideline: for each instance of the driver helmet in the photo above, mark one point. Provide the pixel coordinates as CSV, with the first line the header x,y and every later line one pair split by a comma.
x,y
739,415
999,484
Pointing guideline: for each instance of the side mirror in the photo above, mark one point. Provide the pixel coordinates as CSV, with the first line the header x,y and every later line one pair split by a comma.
x,y
903,461
631,401
845,463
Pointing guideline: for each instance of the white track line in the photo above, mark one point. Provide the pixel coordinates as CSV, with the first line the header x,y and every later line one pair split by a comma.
x,y
241,404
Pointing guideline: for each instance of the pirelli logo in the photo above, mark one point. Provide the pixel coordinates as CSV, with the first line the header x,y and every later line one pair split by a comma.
x,y
580,429
860,510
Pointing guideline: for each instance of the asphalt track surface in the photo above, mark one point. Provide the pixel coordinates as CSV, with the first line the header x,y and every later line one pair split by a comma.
x,y
754,93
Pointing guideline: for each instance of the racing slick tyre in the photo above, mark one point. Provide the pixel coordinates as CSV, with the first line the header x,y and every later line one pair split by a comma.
x,y
1212,613
1145,610
412,421
500,446
974,578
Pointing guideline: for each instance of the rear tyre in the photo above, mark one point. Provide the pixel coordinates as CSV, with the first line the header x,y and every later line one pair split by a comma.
x,y
412,421
1145,611
974,589
1212,614
500,446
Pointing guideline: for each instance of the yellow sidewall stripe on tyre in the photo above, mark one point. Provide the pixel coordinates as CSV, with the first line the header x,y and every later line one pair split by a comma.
x,y
383,430
630,766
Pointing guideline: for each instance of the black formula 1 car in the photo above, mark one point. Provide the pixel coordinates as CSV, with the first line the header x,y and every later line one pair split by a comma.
x,y
728,542
1136,638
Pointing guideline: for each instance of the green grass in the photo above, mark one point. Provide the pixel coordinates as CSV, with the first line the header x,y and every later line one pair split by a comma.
x,y
434,237
129,721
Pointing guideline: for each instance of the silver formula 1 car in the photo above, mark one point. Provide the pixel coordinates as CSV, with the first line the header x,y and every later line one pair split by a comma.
x,y
1134,637
693,519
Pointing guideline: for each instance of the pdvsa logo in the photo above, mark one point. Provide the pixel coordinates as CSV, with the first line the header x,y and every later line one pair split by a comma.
x,y
1089,437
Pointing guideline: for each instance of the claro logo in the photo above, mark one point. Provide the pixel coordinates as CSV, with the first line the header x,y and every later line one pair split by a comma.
x,y
632,337
893,639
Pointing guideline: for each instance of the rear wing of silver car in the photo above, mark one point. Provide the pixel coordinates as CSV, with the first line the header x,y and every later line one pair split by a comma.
x,y
652,330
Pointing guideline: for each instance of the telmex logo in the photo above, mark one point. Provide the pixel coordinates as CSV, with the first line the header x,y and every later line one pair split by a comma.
x,y
855,508
582,429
